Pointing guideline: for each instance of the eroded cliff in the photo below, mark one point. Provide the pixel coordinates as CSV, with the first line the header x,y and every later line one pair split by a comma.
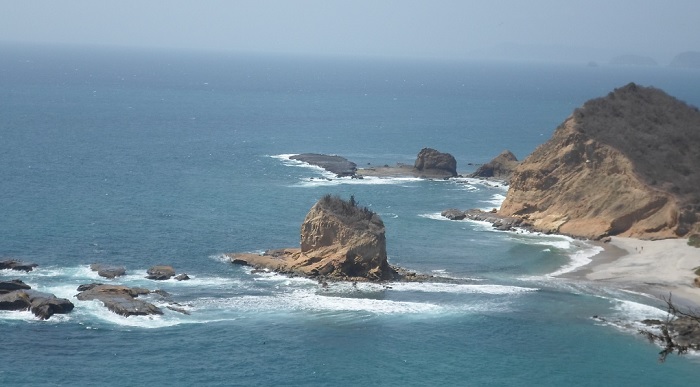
x,y
625,164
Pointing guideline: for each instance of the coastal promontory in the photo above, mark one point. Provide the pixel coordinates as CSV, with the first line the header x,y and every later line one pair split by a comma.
x,y
626,164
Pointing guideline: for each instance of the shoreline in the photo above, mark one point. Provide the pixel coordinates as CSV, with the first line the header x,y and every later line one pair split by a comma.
x,y
656,268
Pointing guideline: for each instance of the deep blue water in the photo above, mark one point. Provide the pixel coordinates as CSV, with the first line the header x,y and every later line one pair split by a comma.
x,y
139,158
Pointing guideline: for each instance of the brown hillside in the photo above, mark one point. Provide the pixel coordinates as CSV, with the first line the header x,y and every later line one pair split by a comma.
x,y
625,164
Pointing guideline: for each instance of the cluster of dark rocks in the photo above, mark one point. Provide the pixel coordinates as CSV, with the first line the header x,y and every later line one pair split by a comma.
x,y
13,264
158,272
122,300
499,222
16,295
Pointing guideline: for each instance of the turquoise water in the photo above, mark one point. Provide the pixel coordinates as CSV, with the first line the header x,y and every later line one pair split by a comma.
x,y
141,158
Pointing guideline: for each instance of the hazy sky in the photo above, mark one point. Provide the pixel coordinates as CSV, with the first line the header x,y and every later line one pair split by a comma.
x,y
415,28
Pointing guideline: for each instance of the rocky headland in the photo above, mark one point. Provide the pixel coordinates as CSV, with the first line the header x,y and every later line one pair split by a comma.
x,y
625,164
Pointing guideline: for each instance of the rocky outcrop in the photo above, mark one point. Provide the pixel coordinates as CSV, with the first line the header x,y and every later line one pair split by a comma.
x,y
10,286
499,222
119,299
334,164
501,167
434,164
43,305
108,271
339,240
13,264
625,164
160,272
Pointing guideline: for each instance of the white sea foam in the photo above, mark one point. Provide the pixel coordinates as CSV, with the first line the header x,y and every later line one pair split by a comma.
x,y
223,258
330,179
460,288
561,242
90,310
474,182
495,201
306,300
628,315
433,216
636,311
23,315
578,259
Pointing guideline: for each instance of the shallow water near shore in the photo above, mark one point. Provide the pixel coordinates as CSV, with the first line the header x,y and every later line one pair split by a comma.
x,y
138,159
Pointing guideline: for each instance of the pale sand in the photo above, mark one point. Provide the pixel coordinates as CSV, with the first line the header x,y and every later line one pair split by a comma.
x,y
653,267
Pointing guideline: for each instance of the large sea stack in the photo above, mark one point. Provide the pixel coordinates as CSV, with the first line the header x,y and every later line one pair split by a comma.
x,y
434,164
626,164
339,240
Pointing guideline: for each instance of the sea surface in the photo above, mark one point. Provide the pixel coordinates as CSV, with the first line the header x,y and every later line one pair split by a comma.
x,y
137,158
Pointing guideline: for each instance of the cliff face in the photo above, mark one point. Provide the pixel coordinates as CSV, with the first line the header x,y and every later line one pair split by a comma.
x,y
625,164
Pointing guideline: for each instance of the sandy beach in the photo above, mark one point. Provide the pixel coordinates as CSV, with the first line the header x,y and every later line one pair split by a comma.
x,y
653,267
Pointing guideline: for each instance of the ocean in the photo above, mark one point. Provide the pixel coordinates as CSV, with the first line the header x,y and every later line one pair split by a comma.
x,y
138,158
